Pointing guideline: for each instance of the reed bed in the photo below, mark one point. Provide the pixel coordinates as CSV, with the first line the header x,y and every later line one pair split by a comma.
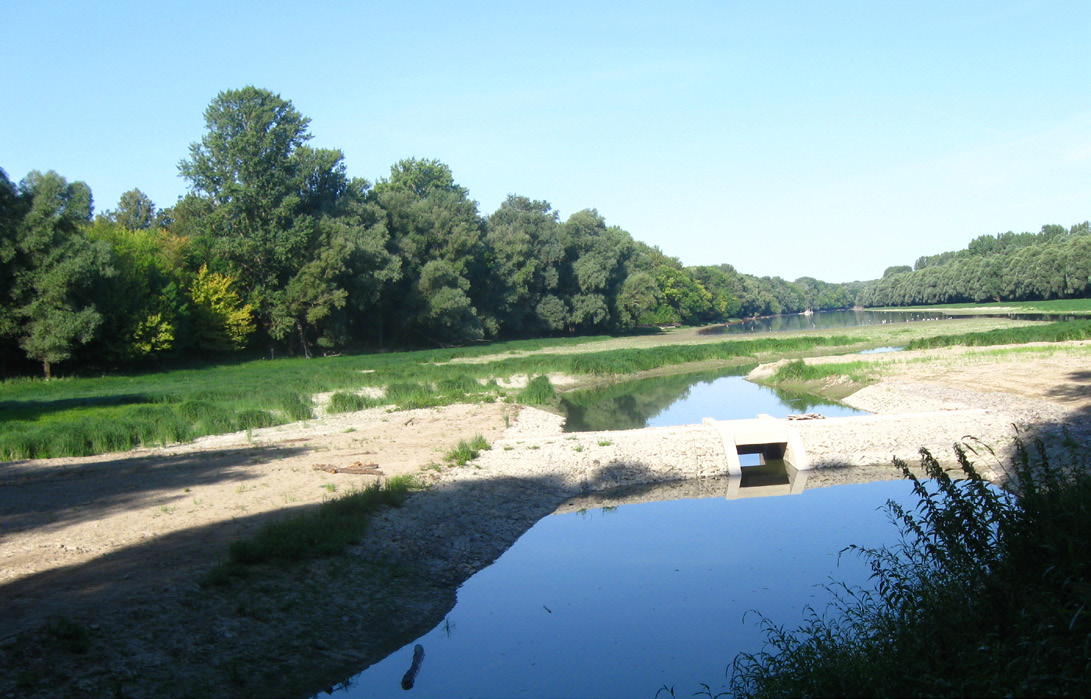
x,y
1044,332
987,594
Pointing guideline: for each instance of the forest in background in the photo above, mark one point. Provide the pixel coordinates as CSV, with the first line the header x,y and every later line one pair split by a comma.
x,y
276,250
1052,264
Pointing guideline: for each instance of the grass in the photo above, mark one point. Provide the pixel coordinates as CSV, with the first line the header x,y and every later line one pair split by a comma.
x,y
539,391
798,370
85,416
1039,332
326,531
467,450
986,595
1052,306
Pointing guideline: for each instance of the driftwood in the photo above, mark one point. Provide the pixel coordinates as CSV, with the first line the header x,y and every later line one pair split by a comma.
x,y
370,469
807,416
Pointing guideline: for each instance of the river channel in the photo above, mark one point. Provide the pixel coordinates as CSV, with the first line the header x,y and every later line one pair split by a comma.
x,y
654,592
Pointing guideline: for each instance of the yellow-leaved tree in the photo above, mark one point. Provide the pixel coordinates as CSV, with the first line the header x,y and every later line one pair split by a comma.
x,y
221,321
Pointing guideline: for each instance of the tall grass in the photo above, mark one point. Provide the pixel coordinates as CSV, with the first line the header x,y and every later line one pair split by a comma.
x,y
467,450
1045,332
538,391
327,531
798,370
83,416
986,595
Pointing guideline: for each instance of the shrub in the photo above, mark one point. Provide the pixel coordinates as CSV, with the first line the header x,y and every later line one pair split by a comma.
x,y
986,595
538,391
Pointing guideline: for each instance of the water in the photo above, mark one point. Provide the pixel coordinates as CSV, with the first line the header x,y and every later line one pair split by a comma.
x,y
620,601
832,320
825,320
686,399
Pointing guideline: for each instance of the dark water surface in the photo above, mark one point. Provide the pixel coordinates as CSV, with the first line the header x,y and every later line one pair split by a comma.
x,y
620,601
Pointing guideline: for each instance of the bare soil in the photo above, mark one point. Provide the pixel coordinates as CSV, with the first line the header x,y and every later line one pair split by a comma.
x,y
118,543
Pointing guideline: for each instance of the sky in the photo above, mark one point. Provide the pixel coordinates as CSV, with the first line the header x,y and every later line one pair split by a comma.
x,y
829,139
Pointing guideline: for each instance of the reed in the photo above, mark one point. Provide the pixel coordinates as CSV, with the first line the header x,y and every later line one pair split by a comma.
x,y
1044,332
538,391
985,595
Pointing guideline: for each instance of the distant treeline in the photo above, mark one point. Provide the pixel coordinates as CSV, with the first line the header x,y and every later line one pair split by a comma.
x,y
275,248
1052,264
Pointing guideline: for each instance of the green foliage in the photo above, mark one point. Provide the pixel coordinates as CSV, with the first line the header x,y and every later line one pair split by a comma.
x,y
327,531
1055,263
985,596
344,402
538,391
1045,332
221,321
798,370
55,269
467,450
135,211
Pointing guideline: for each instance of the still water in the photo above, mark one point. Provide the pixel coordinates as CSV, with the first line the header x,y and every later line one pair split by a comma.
x,y
831,320
620,601
686,399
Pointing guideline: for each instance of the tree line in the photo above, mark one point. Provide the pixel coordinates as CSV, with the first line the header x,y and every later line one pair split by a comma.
x,y
1052,264
276,248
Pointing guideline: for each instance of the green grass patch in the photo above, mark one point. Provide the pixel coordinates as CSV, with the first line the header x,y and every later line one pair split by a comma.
x,y
1005,307
538,391
326,531
345,402
1044,332
986,595
799,371
467,450
83,416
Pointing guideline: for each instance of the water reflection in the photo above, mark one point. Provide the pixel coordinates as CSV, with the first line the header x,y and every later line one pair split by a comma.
x,y
686,399
831,320
619,593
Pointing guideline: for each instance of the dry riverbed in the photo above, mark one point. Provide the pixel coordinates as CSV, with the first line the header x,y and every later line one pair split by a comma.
x,y
116,544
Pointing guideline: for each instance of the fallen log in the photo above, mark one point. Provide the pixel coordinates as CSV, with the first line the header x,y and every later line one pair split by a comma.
x,y
357,468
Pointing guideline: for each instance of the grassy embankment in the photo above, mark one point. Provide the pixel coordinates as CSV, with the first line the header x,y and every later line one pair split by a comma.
x,y
80,417
986,595
836,380
1073,306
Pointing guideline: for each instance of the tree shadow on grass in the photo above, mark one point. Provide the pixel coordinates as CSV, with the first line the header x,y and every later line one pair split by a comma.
x,y
59,492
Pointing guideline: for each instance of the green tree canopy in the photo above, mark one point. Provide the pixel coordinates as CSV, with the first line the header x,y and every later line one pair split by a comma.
x,y
56,268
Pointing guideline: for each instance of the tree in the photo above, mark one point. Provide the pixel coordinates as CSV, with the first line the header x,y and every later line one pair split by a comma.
x,y
56,268
431,219
525,250
12,210
222,321
259,210
135,211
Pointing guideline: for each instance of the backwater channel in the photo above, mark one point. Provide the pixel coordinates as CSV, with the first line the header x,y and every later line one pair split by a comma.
x,y
625,593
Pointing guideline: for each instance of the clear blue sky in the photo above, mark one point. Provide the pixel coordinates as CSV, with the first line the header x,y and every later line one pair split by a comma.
x,y
829,139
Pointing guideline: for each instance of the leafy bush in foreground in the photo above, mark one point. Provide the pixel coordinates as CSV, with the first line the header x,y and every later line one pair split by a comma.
x,y
986,595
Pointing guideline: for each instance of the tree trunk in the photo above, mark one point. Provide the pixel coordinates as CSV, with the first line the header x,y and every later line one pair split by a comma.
x,y
45,368
303,340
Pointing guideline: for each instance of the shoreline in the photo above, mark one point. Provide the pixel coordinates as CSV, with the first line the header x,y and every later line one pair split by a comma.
x,y
153,630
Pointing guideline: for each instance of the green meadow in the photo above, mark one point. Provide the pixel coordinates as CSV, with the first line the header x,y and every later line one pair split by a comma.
x,y
81,416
